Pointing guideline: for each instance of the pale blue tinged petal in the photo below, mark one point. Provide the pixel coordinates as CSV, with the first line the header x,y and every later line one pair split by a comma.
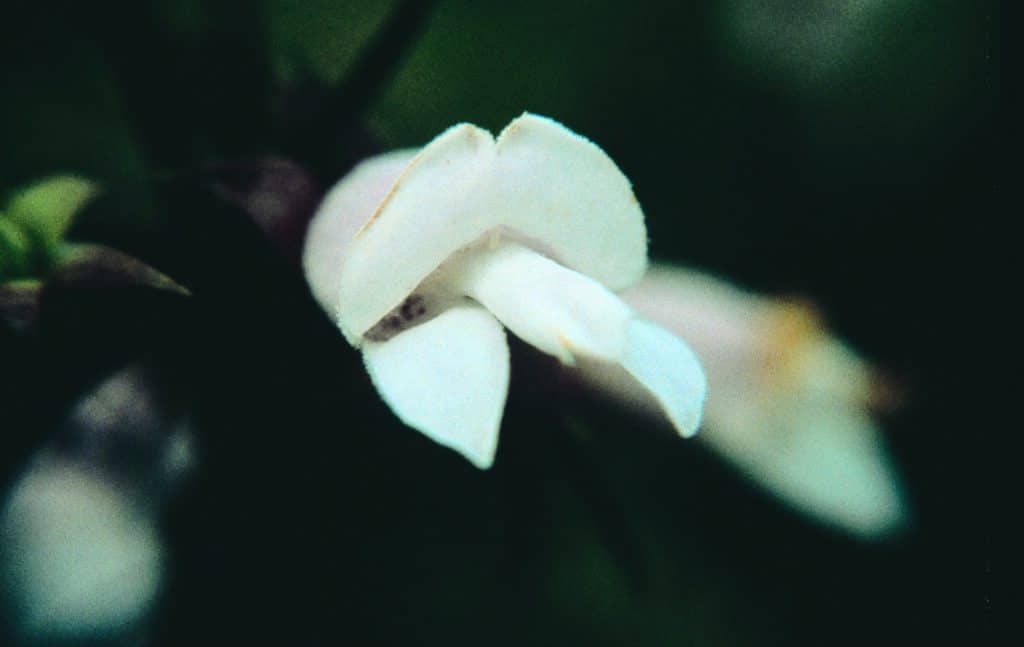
x,y
666,367
75,555
832,462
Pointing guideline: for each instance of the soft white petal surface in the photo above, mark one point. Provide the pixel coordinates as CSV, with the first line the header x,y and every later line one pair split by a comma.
x,y
571,316
558,311
343,211
824,458
667,368
448,378
788,409
77,557
539,182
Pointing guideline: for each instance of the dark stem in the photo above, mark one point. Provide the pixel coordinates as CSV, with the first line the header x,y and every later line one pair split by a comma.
x,y
324,138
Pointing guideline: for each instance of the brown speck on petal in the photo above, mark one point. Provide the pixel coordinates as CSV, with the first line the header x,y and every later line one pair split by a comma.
x,y
412,307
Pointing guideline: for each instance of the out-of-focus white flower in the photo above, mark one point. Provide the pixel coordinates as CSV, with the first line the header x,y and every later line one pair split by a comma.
x,y
421,258
788,403
79,559
80,553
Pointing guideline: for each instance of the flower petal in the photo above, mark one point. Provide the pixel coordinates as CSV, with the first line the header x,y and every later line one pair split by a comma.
x,y
826,459
560,312
538,183
76,556
571,316
667,368
341,214
790,410
448,378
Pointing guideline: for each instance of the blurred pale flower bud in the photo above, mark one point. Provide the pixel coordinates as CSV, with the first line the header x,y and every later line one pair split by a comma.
x,y
80,554
788,403
79,559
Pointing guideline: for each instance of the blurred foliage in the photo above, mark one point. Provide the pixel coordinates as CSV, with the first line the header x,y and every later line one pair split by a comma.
x,y
315,516
48,207
33,224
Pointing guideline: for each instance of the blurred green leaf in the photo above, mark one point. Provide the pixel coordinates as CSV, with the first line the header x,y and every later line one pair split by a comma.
x,y
34,224
49,206
15,249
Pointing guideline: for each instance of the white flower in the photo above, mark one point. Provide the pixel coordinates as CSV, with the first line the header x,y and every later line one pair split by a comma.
x,y
79,558
788,404
421,258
